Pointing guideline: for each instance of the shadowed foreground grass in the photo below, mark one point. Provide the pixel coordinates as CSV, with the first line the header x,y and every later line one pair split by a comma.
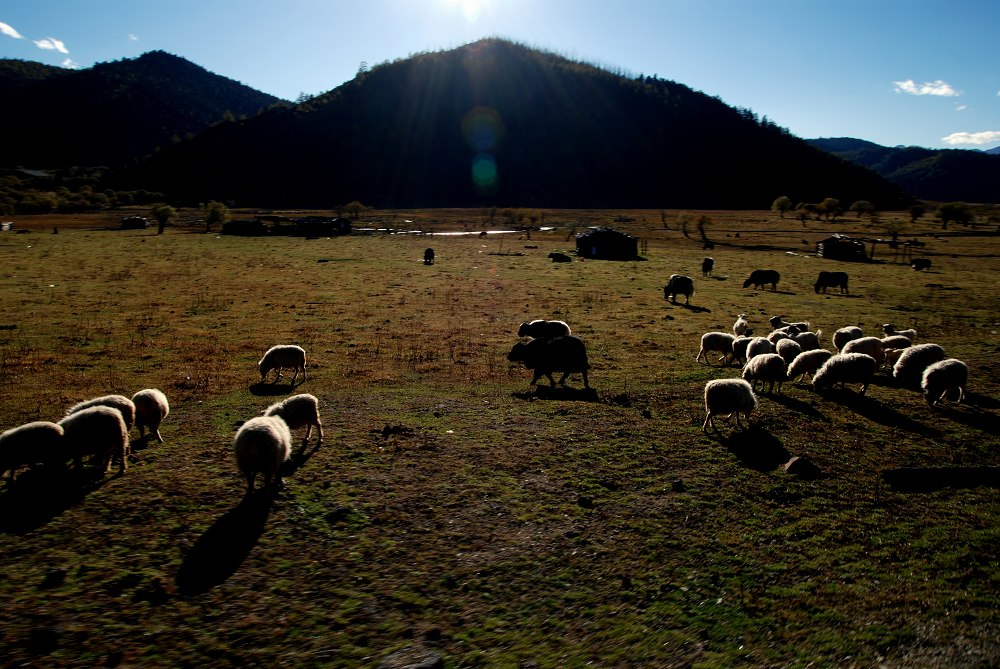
x,y
456,511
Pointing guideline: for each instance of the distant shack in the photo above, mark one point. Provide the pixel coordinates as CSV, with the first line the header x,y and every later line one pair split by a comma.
x,y
842,247
606,243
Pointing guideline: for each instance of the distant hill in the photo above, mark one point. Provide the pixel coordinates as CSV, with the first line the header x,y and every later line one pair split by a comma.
x,y
994,151
497,123
113,113
932,174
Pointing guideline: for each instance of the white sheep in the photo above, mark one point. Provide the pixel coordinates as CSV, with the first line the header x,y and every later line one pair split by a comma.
x,y
720,342
909,368
868,345
778,323
896,341
788,349
99,431
299,411
725,397
942,377
892,356
767,368
120,402
262,445
846,334
759,346
39,442
809,341
846,368
742,325
777,335
889,330
543,329
808,362
283,356
151,407
740,348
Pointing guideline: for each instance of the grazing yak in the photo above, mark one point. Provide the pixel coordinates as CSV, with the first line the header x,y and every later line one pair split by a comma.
x,y
832,280
759,278
560,257
678,284
429,256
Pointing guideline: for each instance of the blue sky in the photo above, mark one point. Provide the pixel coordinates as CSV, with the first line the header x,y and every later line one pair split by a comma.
x,y
895,72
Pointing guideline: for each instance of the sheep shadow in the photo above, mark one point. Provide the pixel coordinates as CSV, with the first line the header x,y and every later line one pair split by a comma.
x,y
269,389
800,406
543,392
223,547
756,448
38,496
298,459
970,416
928,479
877,412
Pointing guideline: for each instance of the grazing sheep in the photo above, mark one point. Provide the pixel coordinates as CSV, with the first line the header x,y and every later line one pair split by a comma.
x,y
909,369
920,263
788,349
542,329
777,335
428,256
832,280
892,356
120,402
767,368
742,325
721,342
778,323
846,368
678,284
761,277
40,442
942,377
707,264
262,445
868,345
807,363
559,257
725,397
99,431
299,411
896,341
809,341
560,354
151,408
759,346
846,334
890,331
283,356
740,349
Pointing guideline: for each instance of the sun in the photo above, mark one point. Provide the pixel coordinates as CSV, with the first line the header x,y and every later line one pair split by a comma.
x,y
470,10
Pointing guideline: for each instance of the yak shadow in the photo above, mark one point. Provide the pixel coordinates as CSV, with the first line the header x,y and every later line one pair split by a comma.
x,y
694,308
37,496
876,411
223,547
802,407
756,448
544,392
926,479
268,389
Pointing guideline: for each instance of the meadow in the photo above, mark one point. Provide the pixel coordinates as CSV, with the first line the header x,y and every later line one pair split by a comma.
x,y
456,516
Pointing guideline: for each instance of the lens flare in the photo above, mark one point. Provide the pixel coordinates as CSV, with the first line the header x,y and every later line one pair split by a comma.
x,y
485,178
482,129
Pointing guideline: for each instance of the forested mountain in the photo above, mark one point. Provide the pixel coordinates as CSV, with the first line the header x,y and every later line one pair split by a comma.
x,y
496,123
946,175
113,113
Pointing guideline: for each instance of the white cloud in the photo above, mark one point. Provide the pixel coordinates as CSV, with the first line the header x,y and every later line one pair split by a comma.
x,y
961,107
938,87
70,64
51,44
985,137
133,38
9,32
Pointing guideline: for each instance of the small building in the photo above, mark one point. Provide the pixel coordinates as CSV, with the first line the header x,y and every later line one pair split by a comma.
x,y
842,247
607,244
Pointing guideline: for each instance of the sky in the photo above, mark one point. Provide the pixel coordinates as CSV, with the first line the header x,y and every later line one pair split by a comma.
x,y
894,72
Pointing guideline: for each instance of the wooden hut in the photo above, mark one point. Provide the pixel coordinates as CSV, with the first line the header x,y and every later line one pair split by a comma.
x,y
607,244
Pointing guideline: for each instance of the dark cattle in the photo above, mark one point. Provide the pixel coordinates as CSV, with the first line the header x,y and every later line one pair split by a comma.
x,y
560,257
761,277
920,263
134,223
429,256
678,285
706,266
545,356
832,280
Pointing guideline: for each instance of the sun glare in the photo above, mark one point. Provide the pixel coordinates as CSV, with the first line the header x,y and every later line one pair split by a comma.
x,y
470,10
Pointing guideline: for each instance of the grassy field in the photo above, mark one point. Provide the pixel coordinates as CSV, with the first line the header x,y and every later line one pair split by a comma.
x,y
453,512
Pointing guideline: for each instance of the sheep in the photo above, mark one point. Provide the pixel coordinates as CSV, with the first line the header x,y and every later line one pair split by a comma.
x,y
942,377
788,349
262,444
742,325
725,397
283,356
809,341
892,356
777,335
832,280
846,334
120,402
868,345
890,331
99,431
678,284
896,341
767,367
846,368
778,323
707,264
299,411
151,407
560,354
542,329
26,445
740,349
808,362
759,346
721,342
909,368
920,263
761,277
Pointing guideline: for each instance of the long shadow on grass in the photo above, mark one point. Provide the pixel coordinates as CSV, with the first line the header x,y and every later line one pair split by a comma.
x,y
223,547
262,389
38,496
877,412
804,408
756,448
926,479
971,416
559,393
